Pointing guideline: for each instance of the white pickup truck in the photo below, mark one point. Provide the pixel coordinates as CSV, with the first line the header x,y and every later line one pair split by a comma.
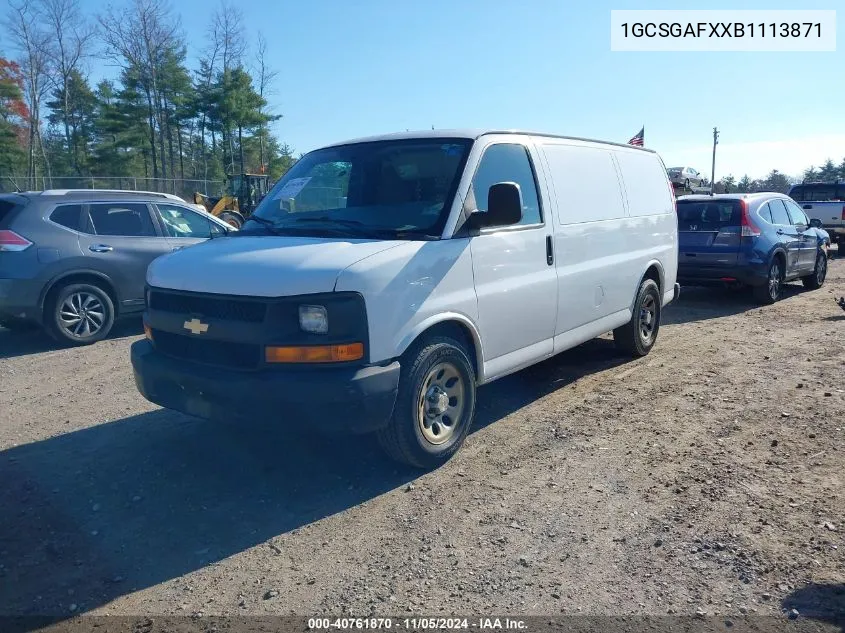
x,y
824,201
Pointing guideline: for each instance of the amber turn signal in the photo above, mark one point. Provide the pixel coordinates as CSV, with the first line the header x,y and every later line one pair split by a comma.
x,y
315,353
148,332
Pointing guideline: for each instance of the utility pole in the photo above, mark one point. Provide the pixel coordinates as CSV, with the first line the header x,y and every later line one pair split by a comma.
x,y
713,172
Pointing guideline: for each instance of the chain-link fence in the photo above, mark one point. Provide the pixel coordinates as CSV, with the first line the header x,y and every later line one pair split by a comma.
x,y
184,188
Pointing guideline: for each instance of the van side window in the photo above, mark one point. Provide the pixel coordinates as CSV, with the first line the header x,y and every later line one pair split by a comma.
x,y
645,182
507,162
586,183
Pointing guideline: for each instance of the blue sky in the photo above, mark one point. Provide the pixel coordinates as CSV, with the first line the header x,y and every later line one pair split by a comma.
x,y
349,69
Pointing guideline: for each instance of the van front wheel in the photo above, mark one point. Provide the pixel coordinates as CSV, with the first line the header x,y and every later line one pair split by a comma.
x,y
638,336
435,404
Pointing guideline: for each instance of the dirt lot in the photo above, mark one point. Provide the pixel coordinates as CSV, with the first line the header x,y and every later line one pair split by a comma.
x,y
705,477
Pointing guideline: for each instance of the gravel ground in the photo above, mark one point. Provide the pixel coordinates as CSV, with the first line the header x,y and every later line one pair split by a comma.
x,y
704,478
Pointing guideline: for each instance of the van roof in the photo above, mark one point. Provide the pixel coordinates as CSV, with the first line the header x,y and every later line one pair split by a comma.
x,y
733,196
473,134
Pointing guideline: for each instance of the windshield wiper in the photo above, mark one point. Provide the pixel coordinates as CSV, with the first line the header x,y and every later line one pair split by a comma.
x,y
263,221
380,231
272,227
327,219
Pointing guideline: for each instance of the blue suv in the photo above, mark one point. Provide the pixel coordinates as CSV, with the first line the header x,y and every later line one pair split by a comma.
x,y
761,240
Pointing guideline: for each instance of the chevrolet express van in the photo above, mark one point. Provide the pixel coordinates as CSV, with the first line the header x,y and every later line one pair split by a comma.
x,y
383,280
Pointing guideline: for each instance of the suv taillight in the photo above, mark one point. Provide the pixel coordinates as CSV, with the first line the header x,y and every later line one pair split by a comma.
x,y
843,213
749,229
11,241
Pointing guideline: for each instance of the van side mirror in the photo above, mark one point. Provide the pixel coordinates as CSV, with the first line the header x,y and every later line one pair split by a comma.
x,y
815,223
504,207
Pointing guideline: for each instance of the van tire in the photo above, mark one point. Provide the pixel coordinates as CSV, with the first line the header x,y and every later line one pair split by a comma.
x,y
816,280
645,318
100,301
407,438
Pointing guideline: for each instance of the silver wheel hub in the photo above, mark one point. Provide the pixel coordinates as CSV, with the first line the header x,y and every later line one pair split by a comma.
x,y
774,281
648,317
438,401
82,314
441,403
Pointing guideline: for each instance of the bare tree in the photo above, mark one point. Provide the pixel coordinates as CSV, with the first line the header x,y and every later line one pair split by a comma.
x,y
72,40
266,76
206,77
227,29
137,38
33,46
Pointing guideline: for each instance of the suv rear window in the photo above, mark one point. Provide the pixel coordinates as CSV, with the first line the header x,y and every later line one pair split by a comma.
x,y
67,215
818,193
6,208
708,215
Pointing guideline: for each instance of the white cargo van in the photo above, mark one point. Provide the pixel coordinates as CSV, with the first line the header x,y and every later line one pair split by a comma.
x,y
382,280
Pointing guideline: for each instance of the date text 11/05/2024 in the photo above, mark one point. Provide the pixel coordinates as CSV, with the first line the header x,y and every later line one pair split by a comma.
x,y
416,624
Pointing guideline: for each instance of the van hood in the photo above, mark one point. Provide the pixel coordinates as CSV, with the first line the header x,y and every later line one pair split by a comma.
x,y
265,266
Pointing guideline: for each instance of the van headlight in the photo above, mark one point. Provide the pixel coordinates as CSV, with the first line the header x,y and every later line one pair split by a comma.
x,y
313,319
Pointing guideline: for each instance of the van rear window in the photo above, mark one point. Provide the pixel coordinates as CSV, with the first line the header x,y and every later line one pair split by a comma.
x,y
708,215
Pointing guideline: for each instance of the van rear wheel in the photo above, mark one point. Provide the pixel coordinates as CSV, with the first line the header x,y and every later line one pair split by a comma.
x,y
435,404
638,336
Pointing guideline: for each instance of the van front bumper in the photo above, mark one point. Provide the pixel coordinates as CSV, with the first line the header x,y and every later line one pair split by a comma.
x,y
335,400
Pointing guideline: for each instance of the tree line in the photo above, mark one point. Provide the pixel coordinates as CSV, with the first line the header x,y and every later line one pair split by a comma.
x,y
778,181
157,119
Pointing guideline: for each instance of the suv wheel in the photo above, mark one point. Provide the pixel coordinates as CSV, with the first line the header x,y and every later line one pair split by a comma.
x,y
79,314
816,280
773,288
435,404
638,336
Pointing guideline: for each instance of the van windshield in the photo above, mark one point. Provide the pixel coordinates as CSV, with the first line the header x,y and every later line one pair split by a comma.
x,y
381,189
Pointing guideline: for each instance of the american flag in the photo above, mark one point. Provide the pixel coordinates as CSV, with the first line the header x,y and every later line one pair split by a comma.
x,y
638,139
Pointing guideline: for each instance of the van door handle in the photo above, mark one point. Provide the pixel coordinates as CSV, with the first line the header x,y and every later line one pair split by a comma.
x,y
550,255
100,248
808,206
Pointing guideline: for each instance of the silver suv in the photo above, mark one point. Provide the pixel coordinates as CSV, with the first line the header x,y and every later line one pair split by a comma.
x,y
72,261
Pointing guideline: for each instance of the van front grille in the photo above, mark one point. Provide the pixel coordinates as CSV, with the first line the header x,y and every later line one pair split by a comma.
x,y
227,308
207,351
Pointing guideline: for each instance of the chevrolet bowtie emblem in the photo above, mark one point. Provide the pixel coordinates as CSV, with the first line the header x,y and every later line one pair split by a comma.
x,y
196,326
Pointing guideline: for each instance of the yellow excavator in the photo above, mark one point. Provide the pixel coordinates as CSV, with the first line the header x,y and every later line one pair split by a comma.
x,y
243,193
